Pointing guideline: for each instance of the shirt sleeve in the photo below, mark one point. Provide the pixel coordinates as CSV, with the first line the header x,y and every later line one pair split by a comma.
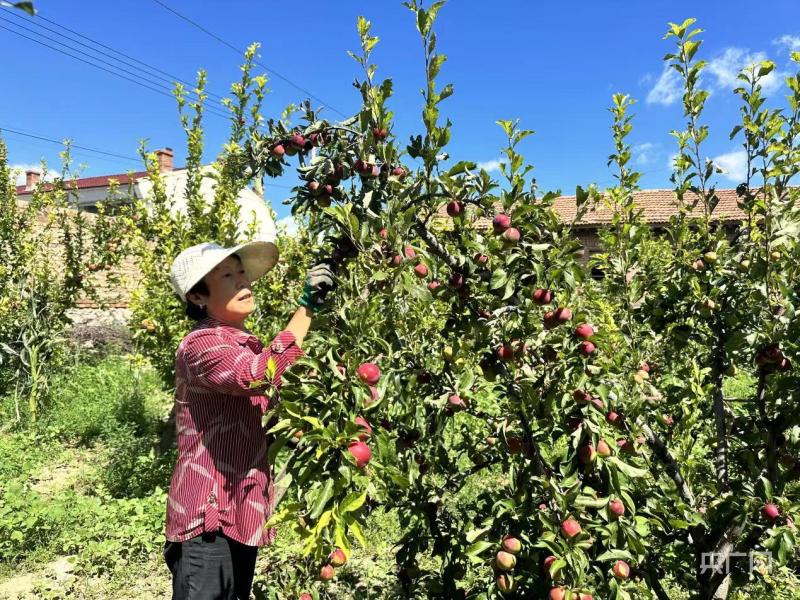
x,y
221,364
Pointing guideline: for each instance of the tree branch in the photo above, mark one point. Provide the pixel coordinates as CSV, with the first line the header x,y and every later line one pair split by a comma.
x,y
435,245
663,454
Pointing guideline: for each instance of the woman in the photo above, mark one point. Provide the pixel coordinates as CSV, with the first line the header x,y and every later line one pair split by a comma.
x,y
221,491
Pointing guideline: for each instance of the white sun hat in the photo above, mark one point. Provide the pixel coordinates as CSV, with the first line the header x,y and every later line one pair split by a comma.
x,y
194,263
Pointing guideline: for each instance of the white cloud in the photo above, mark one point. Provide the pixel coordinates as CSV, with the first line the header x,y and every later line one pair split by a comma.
x,y
726,67
671,161
667,89
645,154
287,226
490,165
791,42
22,167
734,165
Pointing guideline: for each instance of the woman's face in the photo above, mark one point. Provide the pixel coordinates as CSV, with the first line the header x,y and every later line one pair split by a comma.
x,y
229,298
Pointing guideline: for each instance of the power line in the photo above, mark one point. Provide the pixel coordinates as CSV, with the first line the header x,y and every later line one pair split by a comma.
x,y
169,77
240,52
140,82
61,143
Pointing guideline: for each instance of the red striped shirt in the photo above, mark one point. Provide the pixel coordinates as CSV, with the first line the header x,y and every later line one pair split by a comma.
x,y
222,481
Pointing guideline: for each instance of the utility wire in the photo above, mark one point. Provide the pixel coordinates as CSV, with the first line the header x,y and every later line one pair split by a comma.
x,y
61,143
139,82
159,73
240,52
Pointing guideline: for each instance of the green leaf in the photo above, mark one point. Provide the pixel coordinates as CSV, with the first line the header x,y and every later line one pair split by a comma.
x,y
474,551
615,554
352,502
323,497
629,470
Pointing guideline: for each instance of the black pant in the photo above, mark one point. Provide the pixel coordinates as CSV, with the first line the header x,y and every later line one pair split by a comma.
x,y
210,567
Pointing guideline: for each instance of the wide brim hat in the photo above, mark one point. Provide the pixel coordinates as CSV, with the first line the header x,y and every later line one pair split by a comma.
x,y
191,265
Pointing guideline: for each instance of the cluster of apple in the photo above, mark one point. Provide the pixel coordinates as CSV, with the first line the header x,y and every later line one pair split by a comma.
x,y
328,571
369,373
505,561
770,358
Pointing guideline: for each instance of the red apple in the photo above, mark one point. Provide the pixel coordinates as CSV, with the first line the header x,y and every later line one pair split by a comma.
x,y
313,187
305,596
586,348
457,281
500,223
603,449
511,544
383,233
505,561
584,331
557,593
369,373
547,564
621,569
582,396
505,352
456,401
570,528
421,270
337,558
481,259
614,418
364,424
374,394
455,208
433,285
361,452
562,314
298,141
616,507
278,150
396,260
771,511
511,236
644,367
542,296
327,572
380,133
399,172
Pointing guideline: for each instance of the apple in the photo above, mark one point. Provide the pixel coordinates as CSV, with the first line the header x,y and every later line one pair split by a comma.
x,y
433,285
511,544
645,367
383,233
584,596
361,452
455,401
327,572
570,528
380,133
557,593
505,352
298,141
598,402
549,319
369,373
457,281
621,569
775,255
278,150
586,348
399,172
313,187
305,596
771,511
584,331
667,420
698,265
500,223
603,449
785,365
710,257
587,454
448,353
505,583
421,270
481,259
614,418
364,424
337,558
547,564
455,208
409,252
396,260
616,507
562,314
374,395
505,561
626,446
542,296
582,396
510,236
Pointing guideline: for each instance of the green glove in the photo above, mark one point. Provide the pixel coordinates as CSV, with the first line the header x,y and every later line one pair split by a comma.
x,y
319,281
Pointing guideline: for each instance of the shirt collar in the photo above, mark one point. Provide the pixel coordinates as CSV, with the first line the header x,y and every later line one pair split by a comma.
x,y
239,334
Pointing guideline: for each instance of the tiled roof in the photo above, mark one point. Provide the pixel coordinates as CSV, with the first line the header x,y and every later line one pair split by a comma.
x,y
91,182
657,207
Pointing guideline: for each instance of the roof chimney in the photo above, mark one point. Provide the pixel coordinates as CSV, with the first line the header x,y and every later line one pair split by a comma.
x,y
165,156
32,179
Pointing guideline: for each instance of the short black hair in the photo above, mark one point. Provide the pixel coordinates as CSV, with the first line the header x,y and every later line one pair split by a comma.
x,y
193,311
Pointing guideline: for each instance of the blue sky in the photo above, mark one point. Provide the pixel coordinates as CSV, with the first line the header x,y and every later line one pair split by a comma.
x,y
553,65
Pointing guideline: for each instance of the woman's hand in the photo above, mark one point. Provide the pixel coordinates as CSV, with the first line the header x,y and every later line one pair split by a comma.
x,y
319,281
